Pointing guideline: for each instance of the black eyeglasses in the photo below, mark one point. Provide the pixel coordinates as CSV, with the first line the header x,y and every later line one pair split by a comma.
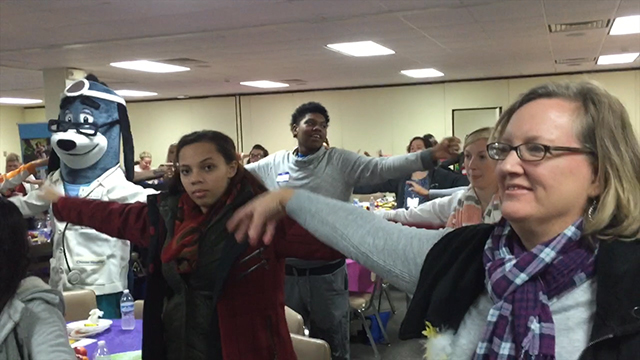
x,y
88,129
530,151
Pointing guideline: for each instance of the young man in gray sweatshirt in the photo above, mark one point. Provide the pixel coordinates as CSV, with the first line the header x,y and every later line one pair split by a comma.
x,y
318,290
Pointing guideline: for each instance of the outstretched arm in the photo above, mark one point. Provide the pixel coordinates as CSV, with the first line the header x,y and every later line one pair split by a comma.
x,y
16,177
393,251
122,221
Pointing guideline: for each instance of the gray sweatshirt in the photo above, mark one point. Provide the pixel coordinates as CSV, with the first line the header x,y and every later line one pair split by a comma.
x,y
396,253
333,173
31,324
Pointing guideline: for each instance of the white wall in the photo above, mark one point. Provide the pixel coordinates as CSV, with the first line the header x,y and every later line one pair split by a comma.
x,y
387,118
156,125
367,119
10,116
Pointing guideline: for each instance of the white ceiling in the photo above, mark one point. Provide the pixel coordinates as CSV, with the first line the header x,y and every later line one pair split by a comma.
x,y
242,40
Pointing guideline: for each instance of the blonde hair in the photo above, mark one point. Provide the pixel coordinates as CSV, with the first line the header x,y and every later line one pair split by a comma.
x,y
145,154
13,157
605,129
480,134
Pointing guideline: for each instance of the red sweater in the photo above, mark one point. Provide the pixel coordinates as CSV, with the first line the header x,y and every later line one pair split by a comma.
x,y
250,310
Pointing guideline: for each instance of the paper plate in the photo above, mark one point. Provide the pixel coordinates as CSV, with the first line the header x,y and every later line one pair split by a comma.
x,y
77,329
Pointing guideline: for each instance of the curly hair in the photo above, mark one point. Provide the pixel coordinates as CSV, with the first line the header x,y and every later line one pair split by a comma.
x,y
306,109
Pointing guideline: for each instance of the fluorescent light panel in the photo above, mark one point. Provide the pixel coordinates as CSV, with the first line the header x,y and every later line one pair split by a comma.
x,y
149,66
626,25
361,48
264,84
617,59
18,101
422,73
135,93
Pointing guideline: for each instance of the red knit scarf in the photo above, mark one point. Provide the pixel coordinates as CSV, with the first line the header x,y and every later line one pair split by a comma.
x,y
191,222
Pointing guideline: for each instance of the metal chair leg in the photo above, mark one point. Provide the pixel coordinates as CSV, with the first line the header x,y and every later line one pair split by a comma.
x,y
385,289
366,329
382,329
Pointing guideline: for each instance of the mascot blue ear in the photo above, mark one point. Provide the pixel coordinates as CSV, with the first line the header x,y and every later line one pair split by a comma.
x,y
54,162
127,142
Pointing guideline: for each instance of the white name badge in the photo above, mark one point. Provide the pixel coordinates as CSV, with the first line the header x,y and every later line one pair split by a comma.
x,y
413,202
283,177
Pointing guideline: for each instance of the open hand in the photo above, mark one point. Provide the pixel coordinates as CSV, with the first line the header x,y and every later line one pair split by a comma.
x,y
448,148
257,219
49,194
416,188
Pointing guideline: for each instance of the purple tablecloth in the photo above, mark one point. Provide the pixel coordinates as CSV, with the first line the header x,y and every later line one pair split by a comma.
x,y
118,340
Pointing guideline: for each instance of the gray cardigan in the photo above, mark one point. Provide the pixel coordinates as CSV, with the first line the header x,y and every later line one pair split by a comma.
x,y
32,325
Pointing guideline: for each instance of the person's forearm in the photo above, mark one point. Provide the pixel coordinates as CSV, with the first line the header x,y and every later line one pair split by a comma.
x,y
377,170
122,221
16,177
148,175
392,251
439,193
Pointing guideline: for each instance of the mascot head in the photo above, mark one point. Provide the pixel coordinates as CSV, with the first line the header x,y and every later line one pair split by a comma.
x,y
86,136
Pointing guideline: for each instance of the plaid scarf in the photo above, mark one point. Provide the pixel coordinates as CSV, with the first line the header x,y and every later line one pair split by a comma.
x,y
468,211
521,283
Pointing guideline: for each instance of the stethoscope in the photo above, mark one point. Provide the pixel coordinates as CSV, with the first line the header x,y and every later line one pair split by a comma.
x,y
74,275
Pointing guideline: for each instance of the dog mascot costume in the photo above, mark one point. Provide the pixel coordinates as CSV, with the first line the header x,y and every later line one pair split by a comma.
x,y
86,163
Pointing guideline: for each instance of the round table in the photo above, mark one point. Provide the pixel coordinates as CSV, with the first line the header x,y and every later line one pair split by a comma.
x,y
118,340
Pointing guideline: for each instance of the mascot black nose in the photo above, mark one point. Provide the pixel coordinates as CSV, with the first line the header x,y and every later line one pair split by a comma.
x,y
66,145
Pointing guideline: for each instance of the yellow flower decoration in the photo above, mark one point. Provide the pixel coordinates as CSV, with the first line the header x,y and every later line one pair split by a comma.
x,y
430,331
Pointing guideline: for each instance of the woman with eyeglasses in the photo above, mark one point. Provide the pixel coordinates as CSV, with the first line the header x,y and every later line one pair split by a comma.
x,y
556,278
478,203
257,153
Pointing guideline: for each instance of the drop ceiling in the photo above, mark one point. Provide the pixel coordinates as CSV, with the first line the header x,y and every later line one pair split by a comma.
x,y
229,41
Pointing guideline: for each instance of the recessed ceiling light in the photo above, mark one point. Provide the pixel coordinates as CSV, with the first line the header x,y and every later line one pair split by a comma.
x,y
422,73
18,101
135,93
149,66
265,84
361,48
626,25
617,59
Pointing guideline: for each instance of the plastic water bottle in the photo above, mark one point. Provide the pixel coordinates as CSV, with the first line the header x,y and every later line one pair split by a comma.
x,y
101,352
372,204
128,321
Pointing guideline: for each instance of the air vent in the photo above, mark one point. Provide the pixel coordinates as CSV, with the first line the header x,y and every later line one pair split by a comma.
x,y
580,26
183,61
577,61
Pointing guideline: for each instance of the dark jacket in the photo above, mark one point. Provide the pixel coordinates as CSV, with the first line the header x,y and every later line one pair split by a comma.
x,y
439,178
452,278
248,295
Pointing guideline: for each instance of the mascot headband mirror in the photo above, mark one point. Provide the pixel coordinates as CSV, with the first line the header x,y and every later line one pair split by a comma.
x,y
81,88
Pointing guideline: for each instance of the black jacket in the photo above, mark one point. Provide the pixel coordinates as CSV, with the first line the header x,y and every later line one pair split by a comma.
x,y
452,277
439,178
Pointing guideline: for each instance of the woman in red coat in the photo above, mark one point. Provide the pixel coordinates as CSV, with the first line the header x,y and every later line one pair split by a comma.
x,y
203,286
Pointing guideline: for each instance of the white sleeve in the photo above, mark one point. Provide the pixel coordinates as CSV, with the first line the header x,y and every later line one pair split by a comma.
x,y
14,178
31,204
434,213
